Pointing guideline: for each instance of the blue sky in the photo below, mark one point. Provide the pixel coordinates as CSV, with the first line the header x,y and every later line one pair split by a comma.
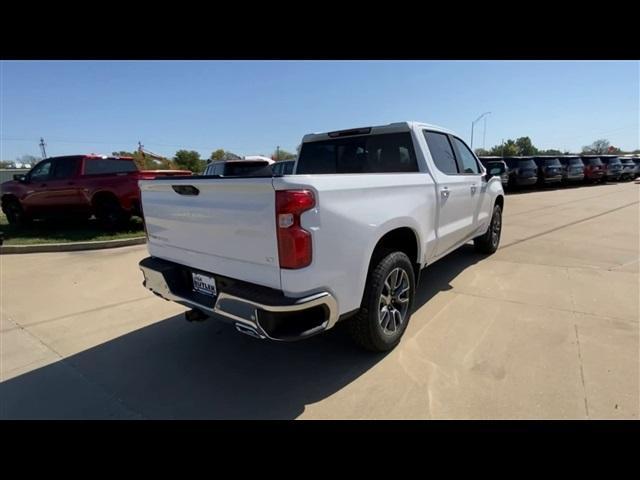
x,y
249,107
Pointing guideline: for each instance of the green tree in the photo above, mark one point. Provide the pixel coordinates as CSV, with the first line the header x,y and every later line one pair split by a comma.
x,y
189,160
507,149
525,146
218,154
481,152
598,147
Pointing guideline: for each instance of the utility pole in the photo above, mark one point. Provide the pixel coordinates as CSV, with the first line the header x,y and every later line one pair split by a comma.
x,y
42,145
473,123
278,153
484,134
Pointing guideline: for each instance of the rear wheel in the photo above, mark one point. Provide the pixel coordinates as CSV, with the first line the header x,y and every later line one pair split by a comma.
x,y
386,304
488,243
109,213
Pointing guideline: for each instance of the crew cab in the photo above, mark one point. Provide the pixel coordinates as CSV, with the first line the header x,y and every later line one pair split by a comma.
x,y
78,185
344,238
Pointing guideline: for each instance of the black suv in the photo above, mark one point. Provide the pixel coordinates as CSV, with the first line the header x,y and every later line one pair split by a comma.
x,y
628,168
612,167
572,168
487,162
522,171
549,170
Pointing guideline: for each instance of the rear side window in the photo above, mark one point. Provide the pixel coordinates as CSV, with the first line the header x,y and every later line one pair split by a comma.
x,y
385,153
98,166
65,167
467,159
441,152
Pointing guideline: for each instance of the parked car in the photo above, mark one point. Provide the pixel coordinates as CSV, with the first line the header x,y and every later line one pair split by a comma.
x,y
244,166
523,171
283,167
572,168
594,169
78,185
612,167
628,168
549,170
636,161
488,162
345,239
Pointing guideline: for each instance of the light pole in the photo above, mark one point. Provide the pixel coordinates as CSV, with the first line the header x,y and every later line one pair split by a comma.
x,y
473,124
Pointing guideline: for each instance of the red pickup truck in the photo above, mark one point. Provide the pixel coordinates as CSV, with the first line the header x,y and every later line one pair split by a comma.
x,y
78,185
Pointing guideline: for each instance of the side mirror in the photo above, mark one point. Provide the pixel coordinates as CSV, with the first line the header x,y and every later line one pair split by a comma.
x,y
495,170
20,177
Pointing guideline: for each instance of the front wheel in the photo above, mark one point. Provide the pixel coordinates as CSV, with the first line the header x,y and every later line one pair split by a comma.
x,y
488,243
386,304
14,212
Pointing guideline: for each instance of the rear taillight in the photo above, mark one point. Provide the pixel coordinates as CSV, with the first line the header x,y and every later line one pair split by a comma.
x,y
294,242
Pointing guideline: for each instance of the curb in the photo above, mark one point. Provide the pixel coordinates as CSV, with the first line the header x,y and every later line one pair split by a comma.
x,y
71,247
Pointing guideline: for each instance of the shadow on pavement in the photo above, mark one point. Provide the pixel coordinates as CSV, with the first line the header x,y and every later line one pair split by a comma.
x,y
175,369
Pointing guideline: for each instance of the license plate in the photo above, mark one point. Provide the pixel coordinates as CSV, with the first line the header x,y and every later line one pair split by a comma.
x,y
204,284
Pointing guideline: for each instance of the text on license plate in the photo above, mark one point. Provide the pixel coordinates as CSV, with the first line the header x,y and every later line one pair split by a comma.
x,y
204,284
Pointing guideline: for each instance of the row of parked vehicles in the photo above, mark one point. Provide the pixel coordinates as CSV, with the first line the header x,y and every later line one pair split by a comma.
x,y
521,171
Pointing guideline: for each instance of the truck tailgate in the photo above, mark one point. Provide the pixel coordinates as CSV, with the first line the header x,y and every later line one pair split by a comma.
x,y
228,228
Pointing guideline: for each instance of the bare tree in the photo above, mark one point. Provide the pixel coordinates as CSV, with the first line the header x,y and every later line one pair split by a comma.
x,y
598,147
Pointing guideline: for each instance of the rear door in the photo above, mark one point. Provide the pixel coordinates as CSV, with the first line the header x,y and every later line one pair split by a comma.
x,y
454,205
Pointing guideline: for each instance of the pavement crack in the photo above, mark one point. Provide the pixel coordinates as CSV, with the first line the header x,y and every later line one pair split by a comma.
x,y
584,387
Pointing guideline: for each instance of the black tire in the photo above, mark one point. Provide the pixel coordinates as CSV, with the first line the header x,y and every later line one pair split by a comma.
x,y
366,327
109,213
14,212
489,242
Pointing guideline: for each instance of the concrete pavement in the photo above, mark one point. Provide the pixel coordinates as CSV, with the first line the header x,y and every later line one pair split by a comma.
x,y
545,328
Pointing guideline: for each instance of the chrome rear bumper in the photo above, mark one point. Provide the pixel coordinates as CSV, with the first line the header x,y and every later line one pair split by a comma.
x,y
251,315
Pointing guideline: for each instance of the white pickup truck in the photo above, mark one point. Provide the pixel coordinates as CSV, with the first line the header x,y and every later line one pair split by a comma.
x,y
344,237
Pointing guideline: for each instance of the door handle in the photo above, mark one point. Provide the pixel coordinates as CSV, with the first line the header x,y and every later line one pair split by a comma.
x,y
473,189
444,193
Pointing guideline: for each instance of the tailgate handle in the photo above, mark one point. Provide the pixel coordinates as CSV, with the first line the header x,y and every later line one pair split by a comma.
x,y
185,189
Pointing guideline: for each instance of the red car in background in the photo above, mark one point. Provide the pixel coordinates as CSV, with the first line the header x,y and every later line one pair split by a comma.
x,y
594,169
78,186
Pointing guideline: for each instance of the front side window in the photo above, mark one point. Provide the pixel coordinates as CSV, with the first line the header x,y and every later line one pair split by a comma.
x,y
467,159
441,152
41,172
